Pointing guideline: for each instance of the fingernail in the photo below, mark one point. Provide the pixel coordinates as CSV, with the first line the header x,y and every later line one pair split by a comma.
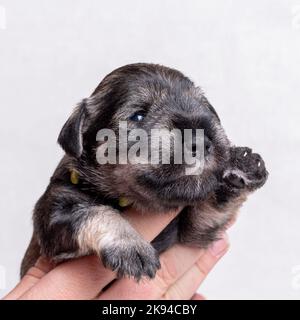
x,y
219,247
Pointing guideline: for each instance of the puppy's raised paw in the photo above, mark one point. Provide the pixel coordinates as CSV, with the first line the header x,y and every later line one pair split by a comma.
x,y
246,169
135,258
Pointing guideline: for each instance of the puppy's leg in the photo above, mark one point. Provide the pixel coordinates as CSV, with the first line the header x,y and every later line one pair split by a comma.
x,y
31,255
202,224
120,247
68,224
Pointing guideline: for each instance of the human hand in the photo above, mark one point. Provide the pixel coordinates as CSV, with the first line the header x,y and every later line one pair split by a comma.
x,y
182,271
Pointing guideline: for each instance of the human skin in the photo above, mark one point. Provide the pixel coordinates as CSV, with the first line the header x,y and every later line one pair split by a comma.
x,y
183,269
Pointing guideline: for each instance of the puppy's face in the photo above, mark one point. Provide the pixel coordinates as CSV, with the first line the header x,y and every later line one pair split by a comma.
x,y
148,97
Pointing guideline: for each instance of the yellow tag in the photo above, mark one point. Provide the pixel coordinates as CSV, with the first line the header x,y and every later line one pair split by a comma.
x,y
74,177
124,202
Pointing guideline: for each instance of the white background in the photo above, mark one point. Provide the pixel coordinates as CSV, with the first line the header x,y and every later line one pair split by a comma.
x,y
245,55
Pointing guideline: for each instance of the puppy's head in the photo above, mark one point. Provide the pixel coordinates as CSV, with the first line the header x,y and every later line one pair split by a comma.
x,y
146,97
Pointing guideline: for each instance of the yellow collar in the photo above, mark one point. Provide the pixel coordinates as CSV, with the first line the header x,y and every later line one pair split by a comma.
x,y
124,202
74,178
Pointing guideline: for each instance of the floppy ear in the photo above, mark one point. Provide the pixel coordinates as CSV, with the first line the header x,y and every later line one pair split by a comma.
x,y
70,137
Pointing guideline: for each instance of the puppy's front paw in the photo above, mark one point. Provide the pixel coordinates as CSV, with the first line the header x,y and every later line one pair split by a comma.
x,y
246,169
134,258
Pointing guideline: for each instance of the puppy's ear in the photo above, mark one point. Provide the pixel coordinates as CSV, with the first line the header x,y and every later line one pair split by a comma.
x,y
70,137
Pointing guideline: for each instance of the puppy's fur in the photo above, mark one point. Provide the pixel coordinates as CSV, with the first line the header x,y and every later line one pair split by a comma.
x,y
76,220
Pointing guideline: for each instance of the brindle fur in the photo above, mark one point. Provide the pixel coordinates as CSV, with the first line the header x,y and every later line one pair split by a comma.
x,y
75,220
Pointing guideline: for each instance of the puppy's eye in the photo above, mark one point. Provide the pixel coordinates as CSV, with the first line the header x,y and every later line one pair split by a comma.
x,y
137,116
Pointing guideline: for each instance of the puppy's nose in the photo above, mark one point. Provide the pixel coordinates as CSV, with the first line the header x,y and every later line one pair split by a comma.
x,y
207,147
194,149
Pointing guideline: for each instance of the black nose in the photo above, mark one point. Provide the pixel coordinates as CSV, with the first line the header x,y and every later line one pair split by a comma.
x,y
194,149
207,147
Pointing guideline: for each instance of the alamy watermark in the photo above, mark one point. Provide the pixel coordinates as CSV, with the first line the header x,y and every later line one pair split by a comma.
x,y
2,18
161,146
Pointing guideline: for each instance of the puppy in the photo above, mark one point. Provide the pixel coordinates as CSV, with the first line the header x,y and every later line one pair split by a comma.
x,y
80,212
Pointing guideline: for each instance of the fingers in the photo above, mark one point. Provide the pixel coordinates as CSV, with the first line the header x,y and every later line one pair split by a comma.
x,y
174,264
149,224
84,278
76,279
198,296
185,287
34,274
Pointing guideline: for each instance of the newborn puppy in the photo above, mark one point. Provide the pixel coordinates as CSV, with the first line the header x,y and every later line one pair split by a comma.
x,y
80,212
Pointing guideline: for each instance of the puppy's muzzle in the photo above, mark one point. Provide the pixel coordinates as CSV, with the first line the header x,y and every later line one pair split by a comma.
x,y
207,147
